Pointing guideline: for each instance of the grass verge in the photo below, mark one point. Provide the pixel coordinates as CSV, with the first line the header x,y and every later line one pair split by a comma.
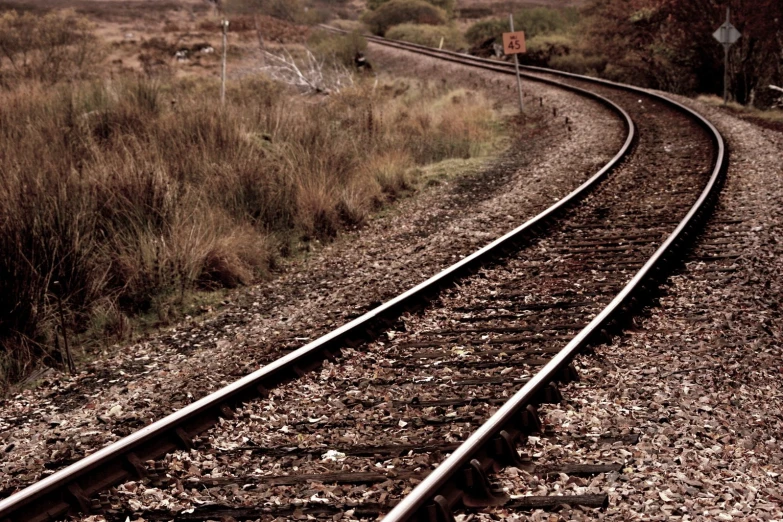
x,y
129,202
771,118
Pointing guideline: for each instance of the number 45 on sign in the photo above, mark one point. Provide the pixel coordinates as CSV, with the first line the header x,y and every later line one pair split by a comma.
x,y
514,43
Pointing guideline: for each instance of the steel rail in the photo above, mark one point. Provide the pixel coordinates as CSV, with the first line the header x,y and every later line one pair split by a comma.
x,y
433,499
70,489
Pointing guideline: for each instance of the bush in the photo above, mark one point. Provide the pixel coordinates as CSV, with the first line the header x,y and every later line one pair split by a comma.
x,y
541,49
129,202
446,5
47,48
291,11
535,22
578,63
545,20
338,48
485,29
397,12
428,35
315,16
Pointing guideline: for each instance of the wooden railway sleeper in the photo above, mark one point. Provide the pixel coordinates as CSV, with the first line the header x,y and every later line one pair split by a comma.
x,y
183,438
77,494
136,466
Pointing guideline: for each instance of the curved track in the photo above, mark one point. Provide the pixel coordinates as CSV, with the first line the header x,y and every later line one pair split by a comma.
x,y
568,286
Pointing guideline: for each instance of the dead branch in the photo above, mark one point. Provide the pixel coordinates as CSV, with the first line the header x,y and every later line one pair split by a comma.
x,y
310,74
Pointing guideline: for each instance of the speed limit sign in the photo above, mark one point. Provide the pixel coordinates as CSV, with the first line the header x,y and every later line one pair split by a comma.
x,y
514,43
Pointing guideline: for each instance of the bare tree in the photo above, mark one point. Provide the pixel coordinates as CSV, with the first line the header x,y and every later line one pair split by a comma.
x,y
309,74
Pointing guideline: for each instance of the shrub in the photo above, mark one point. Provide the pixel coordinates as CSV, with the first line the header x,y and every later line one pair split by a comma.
x,y
545,20
237,24
446,5
397,12
49,48
428,35
338,48
455,125
129,201
485,29
315,16
578,63
541,49
391,170
289,10
348,25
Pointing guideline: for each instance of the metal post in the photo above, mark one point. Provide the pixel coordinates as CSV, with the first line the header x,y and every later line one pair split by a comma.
x,y
516,63
725,74
726,61
223,68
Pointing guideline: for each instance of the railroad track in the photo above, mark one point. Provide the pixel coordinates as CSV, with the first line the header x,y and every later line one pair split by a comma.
x,y
367,433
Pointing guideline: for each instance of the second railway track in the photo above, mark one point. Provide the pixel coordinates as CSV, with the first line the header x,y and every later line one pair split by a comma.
x,y
368,433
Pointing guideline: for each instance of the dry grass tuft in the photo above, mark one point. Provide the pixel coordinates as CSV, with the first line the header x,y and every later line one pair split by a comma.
x,y
391,170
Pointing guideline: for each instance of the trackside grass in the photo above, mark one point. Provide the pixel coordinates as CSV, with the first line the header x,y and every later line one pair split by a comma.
x,y
119,198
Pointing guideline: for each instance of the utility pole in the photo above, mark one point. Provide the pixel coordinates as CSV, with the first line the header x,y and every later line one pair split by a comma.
x,y
515,44
224,23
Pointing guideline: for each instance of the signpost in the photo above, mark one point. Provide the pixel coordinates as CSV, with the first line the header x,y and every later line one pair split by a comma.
x,y
224,24
514,43
727,35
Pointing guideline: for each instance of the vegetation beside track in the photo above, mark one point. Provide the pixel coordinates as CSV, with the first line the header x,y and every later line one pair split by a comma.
x,y
661,45
122,197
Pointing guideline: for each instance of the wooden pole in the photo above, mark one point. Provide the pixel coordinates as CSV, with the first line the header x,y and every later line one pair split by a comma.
x,y
516,64
223,67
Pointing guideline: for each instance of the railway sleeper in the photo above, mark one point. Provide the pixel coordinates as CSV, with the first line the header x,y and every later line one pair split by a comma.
x,y
437,354
370,510
476,364
533,307
401,450
504,329
479,478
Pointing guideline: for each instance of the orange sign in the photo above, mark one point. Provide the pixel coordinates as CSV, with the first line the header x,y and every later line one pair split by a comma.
x,y
514,43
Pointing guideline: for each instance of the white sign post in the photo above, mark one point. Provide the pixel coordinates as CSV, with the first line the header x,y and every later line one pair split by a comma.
x,y
514,43
727,35
224,24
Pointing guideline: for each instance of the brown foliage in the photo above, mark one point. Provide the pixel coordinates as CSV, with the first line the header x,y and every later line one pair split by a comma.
x,y
396,12
669,44
129,202
48,48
